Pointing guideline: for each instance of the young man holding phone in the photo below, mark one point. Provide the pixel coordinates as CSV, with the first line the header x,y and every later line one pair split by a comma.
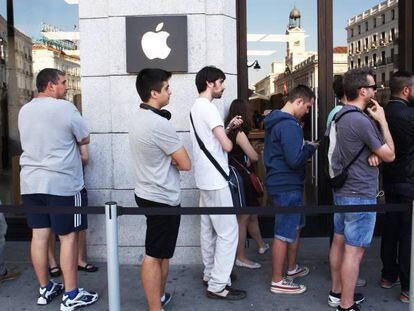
x,y
218,233
285,156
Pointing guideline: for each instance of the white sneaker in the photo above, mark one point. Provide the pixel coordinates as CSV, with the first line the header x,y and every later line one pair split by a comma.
x,y
286,286
82,299
299,272
47,296
263,249
253,265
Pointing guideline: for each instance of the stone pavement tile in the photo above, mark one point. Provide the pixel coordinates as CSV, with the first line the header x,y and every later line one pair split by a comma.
x,y
189,293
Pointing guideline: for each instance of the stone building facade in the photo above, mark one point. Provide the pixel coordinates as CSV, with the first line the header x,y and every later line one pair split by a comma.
x,y
48,56
108,95
373,40
24,78
306,72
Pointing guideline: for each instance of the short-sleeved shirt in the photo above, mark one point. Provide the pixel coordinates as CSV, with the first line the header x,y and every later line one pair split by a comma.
x,y
206,117
331,115
152,140
355,130
49,132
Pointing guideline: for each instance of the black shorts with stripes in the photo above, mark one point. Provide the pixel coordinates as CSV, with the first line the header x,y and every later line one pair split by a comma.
x,y
61,224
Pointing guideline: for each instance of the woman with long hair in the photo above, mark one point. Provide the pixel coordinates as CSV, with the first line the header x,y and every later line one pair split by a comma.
x,y
241,158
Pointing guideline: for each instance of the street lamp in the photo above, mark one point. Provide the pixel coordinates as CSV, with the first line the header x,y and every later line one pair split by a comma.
x,y
255,64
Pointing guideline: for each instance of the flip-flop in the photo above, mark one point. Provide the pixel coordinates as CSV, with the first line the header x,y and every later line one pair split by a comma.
x,y
55,271
88,268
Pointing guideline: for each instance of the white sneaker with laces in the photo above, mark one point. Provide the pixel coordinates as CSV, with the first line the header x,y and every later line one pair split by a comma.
x,y
300,271
82,299
47,296
286,286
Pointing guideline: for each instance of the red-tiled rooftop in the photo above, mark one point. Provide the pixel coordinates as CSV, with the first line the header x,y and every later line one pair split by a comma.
x,y
340,49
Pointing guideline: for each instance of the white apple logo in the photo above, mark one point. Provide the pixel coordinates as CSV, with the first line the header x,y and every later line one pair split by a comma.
x,y
154,44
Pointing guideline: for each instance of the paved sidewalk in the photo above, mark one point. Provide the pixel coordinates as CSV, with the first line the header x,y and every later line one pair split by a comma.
x,y
189,293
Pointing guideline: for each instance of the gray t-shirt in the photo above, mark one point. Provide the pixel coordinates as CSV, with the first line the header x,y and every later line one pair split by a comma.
x,y
49,131
355,130
152,140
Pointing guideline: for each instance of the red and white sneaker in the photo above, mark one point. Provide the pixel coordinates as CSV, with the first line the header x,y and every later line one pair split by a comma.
x,y
286,286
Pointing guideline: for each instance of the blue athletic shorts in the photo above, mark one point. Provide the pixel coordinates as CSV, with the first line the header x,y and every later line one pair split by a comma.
x,y
60,224
357,228
287,225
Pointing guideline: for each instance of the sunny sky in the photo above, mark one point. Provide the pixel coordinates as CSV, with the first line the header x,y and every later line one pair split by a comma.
x,y
272,17
29,15
263,17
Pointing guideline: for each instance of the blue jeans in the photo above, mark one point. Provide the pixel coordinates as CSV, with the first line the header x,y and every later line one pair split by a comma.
x,y
287,225
357,228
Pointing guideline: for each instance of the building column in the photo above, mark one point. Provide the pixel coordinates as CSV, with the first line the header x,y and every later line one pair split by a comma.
x,y
109,94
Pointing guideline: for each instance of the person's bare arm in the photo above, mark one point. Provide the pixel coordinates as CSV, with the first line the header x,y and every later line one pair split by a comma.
x,y
84,141
84,154
387,151
181,160
244,143
221,134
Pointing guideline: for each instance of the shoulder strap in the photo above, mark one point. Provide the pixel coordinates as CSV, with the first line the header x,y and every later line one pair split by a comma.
x,y
346,112
363,147
356,157
207,153
241,165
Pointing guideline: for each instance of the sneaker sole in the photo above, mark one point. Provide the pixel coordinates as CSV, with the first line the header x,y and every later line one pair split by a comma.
x,y
64,308
288,291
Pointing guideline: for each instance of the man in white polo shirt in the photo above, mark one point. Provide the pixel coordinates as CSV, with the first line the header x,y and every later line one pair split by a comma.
x,y
218,233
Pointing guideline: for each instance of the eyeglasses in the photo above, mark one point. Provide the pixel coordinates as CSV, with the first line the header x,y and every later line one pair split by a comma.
x,y
374,87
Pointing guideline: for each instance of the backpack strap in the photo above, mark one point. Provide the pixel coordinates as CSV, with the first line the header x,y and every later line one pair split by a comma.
x,y
346,112
363,147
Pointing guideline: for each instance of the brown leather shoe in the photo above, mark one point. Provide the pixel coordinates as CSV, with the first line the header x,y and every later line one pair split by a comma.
x,y
10,275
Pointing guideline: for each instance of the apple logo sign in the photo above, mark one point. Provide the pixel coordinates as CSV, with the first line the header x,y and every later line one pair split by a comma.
x,y
154,44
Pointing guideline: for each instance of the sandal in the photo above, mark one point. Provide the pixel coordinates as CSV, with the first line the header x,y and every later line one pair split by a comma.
x,y
55,271
88,268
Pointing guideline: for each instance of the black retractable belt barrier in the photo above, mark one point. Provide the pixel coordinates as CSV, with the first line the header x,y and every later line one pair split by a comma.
x,y
308,209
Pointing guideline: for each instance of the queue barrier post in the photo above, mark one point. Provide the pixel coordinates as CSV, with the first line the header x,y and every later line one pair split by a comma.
x,y
111,216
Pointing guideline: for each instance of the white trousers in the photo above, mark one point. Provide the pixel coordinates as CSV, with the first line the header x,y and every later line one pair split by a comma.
x,y
219,235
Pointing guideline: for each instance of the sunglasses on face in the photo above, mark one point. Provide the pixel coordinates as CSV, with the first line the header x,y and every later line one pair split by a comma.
x,y
374,87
